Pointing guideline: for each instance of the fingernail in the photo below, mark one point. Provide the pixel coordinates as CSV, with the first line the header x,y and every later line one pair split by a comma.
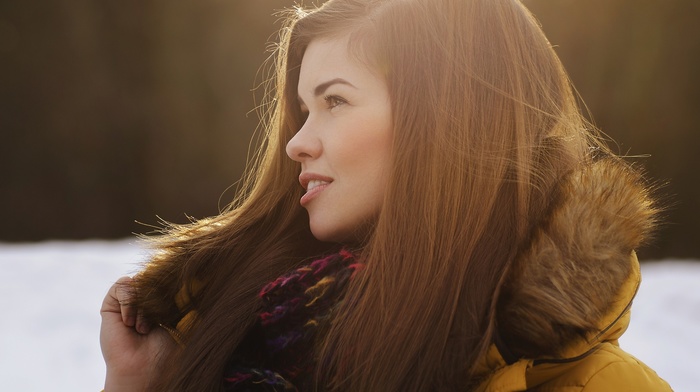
x,y
142,327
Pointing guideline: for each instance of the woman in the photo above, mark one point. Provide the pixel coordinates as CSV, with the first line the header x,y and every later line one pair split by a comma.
x,y
458,225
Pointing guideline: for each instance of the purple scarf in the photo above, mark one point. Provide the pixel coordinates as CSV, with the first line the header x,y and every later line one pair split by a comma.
x,y
296,307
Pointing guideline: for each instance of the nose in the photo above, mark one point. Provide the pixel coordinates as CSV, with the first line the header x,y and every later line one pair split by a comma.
x,y
305,144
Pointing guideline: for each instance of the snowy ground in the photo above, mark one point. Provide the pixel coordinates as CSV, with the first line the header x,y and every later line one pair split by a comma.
x,y
51,293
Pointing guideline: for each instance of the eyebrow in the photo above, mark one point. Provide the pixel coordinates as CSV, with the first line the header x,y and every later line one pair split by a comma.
x,y
321,88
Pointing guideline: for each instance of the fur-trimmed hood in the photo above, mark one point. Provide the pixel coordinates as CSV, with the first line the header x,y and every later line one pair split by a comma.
x,y
571,287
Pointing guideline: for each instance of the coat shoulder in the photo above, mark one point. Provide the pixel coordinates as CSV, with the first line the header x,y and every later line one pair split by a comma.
x,y
609,368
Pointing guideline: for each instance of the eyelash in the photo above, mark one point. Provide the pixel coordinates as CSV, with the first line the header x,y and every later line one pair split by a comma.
x,y
333,101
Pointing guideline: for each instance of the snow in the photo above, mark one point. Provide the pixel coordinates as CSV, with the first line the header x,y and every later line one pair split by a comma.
x,y
51,294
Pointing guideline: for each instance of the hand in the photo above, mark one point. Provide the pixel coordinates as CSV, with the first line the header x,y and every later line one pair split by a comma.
x,y
129,347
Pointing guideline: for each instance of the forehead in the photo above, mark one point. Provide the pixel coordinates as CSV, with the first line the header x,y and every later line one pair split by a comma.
x,y
331,58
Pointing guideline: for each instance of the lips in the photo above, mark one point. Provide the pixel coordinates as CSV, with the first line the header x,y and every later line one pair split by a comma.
x,y
314,184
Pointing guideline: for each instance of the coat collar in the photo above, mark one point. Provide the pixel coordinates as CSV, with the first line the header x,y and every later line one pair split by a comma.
x,y
571,286
521,374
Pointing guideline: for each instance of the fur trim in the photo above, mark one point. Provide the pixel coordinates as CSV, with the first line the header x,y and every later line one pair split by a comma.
x,y
565,280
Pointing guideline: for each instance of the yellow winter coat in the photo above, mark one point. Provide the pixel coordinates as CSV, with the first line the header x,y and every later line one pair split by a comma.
x,y
570,294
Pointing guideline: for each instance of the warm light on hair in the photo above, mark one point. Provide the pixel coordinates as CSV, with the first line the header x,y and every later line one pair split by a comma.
x,y
485,124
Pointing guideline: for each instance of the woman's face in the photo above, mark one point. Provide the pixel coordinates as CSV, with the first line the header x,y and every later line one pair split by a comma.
x,y
344,146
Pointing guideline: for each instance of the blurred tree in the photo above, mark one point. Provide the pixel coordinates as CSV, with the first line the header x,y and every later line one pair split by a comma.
x,y
120,111
635,66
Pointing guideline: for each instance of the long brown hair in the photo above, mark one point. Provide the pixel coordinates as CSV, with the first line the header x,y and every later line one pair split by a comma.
x,y
485,124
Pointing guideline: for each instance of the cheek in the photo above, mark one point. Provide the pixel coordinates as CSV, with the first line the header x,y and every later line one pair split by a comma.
x,y
371,168
358,148
368,139
360,151
365,159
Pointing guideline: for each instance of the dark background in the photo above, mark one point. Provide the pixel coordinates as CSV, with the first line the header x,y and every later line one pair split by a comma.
x,y
116,112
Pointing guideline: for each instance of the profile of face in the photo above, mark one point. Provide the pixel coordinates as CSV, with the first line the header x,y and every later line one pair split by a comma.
x,y
344,146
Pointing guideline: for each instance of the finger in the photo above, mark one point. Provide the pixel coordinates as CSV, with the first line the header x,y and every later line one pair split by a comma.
x,y
123,295
111,301
116,303
142,326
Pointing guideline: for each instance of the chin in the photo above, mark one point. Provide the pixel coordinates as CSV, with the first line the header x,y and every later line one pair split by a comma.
x,y
342,229
350,236
326,235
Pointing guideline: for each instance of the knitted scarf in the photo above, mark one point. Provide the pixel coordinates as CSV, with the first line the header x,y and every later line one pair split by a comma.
x,y
278,354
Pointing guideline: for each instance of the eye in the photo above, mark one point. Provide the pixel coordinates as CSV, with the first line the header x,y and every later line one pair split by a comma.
x,y
333,101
